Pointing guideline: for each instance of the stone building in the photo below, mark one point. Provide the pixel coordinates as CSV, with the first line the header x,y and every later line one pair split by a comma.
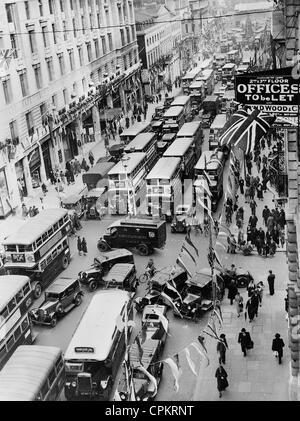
x,y
70,58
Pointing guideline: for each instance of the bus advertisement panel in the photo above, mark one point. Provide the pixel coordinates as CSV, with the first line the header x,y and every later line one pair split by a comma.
x,y
40,248
97,347
129,134
15,328
189,77
126,184
146,143
164,187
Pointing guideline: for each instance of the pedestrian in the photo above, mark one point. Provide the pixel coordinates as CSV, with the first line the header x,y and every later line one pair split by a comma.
x,y
259,191
266,214
52,177
272,246
251,191
62,176
84,246
253,206
271,279
79,245
250,287
222,346
91,158
84,165
255,301
277,347
24,211
241,184
240,238
249,166
250,309
260,291
35,210
258,163
30,212
253,221
245,340
247,180
222,382
239,303
232,291
282,238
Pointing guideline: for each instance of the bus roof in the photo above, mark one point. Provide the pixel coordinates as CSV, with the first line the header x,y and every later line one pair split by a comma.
x,y
192,73
219,122
26,371
173,111
97,326
9,286
140,141
134,159
206,74
180,100
207,161
164,168
179,146
205,63
135,129
196,84
101,168
228,66
36,226
189,129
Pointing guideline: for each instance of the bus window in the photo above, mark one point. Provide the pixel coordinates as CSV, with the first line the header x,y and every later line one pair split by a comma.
x,y
44,389
52,376
2,352
19,296
11,305
59,365
17,333
10,343
25,324
26,289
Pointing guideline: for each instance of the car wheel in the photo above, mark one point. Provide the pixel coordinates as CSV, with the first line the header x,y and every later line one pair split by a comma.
x,y
37,291
93,286
53,322
59,308
242,281
102,246
143,278
143,250
64,262
78,300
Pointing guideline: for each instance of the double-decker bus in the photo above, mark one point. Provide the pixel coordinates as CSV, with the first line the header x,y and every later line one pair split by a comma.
x,y
234,56
164,187
208,78
126,183
33,373
196,92
15,327
193,130
129,134
185,102
175,115
215,130
40,248
189,77
228,71
146,143
97,347
183,148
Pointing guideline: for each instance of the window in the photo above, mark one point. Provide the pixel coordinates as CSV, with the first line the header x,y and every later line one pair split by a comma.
x,y
52,376
91,20
10,343
132,32
89,51
14,131
110,43
10,12
84,86
82,24
71,5
2,352
107,17
45,36
119,14
25,324
29,123
43,110
38,76
71,58
11,305
54,100
125,62
97,50
74,27
17,333
128,35
14,44
41,7
44,389
61,5
65,94
7,91
27,11
50,4
103,44
50,68
64,30
26,289
59,365
61,61
80,56
122,37
98,20
54,33
32,41
99,74
24,83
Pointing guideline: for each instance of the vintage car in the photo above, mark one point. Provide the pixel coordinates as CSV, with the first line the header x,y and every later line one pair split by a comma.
x,y
159,112
170,280
92,278
152,338
198,295
121,276
241,277
61,297
179,224
74,202
96,203
206,120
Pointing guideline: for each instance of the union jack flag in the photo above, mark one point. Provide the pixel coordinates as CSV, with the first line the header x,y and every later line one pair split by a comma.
x,y
244,129
5,58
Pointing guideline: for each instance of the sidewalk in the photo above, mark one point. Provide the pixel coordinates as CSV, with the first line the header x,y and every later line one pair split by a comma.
x,y
258,376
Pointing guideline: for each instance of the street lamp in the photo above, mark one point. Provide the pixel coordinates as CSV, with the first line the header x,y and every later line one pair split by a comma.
x,y
130,189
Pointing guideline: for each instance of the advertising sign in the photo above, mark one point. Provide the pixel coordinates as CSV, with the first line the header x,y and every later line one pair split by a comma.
x,y
275,91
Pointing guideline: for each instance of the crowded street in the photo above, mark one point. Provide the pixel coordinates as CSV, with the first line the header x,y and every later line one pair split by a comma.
x,y
149,246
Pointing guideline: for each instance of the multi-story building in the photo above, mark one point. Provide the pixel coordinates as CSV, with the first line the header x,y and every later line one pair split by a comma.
x,y
70,58
158,34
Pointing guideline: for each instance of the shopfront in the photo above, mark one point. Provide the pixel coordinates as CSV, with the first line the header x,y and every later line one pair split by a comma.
x,y
19,168
88,134
70,141
46,157
34,161
5,206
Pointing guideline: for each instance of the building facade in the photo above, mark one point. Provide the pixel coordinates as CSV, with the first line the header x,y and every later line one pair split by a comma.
x,y
158,35
70,59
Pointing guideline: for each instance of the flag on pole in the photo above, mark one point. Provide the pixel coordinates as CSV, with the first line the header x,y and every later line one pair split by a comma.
x,y
217,258
175,371
183,248
169,300
180,263
189,241
200,351
190,361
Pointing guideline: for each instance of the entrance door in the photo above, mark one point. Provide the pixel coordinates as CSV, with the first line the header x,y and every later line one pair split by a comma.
x,y
47,159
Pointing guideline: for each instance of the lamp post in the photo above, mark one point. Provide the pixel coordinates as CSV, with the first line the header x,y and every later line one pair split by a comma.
x,y
130,189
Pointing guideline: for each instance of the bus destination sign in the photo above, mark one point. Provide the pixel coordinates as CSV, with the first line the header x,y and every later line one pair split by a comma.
x,y
85,349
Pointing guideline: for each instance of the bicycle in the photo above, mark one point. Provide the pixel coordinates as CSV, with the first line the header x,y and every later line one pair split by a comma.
x,y
146,276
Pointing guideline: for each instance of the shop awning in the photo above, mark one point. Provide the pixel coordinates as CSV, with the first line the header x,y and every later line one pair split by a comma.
x,y
111,113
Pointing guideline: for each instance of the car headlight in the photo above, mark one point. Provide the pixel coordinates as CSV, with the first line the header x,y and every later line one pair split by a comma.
x,y
122,396
189,307
103,384
74,384
138,398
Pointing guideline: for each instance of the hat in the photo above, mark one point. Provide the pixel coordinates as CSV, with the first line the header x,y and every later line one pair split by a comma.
x,y
243,330
222,335
277,335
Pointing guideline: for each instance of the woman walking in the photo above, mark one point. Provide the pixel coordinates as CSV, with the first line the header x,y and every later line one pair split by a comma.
x,y
277,346
245,340
232,291
251,309
84,246
79,245
239,303
222,382
222,346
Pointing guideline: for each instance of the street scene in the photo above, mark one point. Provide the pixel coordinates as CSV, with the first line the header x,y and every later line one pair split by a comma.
x,y
149,201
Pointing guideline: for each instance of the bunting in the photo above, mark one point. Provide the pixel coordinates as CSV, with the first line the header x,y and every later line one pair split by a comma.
x,y
190,361
220,319
183,248
189,241
204,207
202,354
218,243
172,288
180,263
173,305
175,371
217,258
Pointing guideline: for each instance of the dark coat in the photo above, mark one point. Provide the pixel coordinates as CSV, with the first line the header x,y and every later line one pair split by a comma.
x,y
79,244
251,309
244,338
222,381
232,291
83,246
277,345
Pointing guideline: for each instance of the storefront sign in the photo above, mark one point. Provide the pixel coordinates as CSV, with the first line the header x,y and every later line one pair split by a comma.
x,y
283,110
277,89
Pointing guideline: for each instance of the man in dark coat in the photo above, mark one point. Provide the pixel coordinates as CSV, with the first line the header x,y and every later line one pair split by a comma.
x,y
265,214
253,221
244,339
277,346
241,184
222,346
232,291
271,279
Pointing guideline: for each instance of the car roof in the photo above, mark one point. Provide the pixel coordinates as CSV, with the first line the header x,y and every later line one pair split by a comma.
x,y
164,275
118,272
113,254
60,284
